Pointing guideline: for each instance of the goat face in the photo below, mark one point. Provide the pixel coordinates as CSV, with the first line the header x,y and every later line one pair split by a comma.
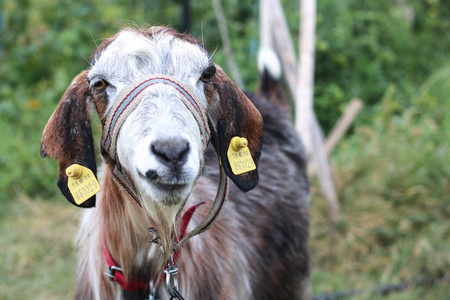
x,y
160,143
159,146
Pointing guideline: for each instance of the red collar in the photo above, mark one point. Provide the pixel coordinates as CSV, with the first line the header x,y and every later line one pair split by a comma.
x,y
139,284
116,274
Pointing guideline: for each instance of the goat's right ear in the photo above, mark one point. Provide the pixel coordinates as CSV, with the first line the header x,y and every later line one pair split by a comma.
x,y
68,135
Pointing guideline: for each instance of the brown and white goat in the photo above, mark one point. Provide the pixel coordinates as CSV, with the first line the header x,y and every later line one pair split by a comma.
x,y
257,249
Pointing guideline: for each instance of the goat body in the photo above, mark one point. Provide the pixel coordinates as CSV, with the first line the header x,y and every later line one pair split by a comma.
x,y
257,249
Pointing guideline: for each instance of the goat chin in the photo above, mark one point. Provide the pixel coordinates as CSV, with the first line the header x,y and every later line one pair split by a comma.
x,y
163,220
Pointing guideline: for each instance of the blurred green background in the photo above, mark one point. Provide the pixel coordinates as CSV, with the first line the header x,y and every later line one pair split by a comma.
x,y
393,168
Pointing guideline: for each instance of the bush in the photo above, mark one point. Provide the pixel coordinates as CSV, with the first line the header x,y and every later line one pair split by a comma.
x,y
395,182
363,47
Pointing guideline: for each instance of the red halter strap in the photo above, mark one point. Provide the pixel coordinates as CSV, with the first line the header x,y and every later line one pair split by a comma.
x,y
116,274
139,284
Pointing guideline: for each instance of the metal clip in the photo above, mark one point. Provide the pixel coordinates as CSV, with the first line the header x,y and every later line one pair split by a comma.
x,y
152,288
171,271
112,272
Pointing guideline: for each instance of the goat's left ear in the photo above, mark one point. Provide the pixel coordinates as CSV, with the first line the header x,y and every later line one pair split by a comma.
x,y
68,135
237,116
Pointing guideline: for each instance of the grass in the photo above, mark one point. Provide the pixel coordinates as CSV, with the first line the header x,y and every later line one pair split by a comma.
x,y
393,189
361,252
37,257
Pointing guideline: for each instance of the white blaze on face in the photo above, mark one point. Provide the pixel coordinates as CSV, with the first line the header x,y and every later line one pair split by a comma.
x,y
160,143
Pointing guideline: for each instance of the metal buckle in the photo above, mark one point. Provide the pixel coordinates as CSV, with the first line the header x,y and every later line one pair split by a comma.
x,y
112,272
171,271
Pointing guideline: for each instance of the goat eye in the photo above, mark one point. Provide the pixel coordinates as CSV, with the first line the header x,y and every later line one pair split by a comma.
x,y
208,74
100,85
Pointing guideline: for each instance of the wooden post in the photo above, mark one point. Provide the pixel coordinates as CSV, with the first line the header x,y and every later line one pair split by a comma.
x,y
305,87
344,122
283,43
226,43
265,23
321,165
300,79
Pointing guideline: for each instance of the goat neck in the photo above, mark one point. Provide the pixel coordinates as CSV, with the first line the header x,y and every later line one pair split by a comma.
x,y
127,233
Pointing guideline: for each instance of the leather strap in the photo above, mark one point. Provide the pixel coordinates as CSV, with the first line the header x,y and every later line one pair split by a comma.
x,y
139,284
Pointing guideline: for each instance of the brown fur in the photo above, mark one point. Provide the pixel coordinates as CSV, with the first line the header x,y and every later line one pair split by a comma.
x,y
68,134
237,107
52,139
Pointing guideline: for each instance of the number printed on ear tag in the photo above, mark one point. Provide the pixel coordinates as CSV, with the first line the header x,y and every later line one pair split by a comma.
x,y
82,183
239,156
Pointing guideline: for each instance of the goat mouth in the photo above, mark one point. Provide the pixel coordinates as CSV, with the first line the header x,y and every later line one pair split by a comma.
x,y
169,187
160,184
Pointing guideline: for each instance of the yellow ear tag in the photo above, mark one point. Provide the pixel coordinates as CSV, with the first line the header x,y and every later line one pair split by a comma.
x,y
239,156
82,183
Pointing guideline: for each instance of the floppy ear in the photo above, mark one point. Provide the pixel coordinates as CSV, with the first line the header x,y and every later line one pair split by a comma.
x,y
68,135
237,116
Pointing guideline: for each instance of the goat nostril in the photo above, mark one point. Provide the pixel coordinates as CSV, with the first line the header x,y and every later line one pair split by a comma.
x,y
160,154
171,152
184,151
151,174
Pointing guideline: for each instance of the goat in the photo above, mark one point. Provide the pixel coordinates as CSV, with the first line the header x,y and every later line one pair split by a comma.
x,y
258,249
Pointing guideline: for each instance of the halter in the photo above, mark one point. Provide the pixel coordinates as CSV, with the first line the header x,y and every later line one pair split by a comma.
x,y
132,96
127,101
